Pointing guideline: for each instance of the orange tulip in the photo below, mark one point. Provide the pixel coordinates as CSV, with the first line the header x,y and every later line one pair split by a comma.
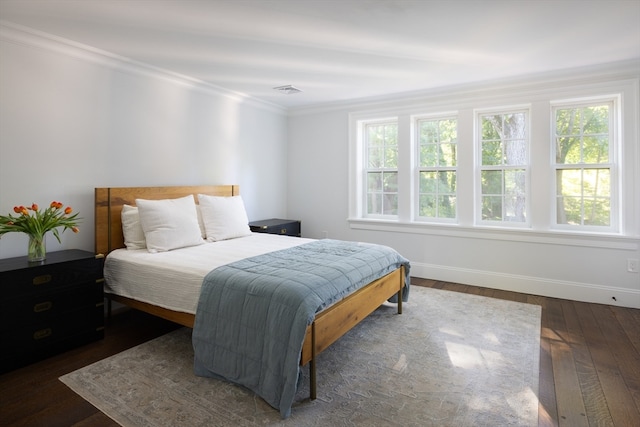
x,y
40,222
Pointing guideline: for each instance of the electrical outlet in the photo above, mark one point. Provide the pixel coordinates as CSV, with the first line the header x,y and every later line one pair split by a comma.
x,y
632,265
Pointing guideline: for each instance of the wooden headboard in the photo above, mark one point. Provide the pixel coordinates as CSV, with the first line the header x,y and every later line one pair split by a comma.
x,y
109,201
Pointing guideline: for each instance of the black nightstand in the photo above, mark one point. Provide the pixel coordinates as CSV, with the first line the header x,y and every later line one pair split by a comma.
x,y
49,307
285,227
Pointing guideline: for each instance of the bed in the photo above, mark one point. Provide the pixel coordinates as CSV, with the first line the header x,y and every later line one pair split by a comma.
x,y
327,326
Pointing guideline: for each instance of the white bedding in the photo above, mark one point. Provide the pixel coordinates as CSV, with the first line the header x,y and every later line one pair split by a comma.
x,y
173,279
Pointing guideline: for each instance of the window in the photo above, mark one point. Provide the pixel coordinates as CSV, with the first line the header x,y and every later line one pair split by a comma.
x,y
583,150
514,166
381,168
504,166
437,167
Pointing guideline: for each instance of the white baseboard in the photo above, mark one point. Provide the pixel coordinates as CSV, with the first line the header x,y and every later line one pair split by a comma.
x,y
585,292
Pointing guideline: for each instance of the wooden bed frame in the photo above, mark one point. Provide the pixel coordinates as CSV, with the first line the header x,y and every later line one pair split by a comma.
x,y
329,325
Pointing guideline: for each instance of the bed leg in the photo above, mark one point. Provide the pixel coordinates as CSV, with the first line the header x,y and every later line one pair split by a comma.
x,y
312,363
108,309
400,298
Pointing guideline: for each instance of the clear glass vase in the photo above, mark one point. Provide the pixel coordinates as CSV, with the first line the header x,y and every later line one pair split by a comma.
x,y
37,250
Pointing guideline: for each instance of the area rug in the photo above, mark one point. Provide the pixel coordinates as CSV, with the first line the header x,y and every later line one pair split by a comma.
x,y
450,359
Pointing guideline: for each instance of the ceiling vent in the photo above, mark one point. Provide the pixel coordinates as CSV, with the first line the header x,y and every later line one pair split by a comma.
x,y
288,89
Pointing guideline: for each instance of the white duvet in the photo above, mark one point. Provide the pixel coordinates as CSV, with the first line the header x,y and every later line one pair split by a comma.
x,y
173,279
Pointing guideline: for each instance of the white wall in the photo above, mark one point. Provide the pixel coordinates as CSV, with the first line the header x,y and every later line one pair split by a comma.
x,y
73,118
538,261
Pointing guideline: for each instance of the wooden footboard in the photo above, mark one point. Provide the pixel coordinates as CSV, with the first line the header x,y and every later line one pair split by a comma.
x,y
338,319
328,326
335,321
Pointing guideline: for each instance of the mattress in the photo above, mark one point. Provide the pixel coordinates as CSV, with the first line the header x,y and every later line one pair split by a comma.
x,y
173,279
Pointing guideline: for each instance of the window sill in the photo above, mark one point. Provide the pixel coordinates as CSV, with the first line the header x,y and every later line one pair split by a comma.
x,y
557,237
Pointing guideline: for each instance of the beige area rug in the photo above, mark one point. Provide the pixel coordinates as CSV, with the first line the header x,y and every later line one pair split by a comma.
x,y
450,360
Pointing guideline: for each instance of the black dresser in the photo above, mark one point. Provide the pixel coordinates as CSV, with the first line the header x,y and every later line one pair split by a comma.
x,y
49,307
286,227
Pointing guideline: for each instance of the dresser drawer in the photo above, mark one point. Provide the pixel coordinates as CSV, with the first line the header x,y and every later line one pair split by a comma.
x,y
46,340
47,278
40,307
49,307
29,338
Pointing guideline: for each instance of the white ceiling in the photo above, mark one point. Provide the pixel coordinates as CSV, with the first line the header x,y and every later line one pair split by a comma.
x,y
338,50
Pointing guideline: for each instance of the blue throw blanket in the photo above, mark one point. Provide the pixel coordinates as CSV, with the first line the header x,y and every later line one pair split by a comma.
x,y
253,314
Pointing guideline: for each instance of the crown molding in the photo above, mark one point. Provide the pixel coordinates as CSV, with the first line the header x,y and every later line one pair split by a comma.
x,y
532,84
26,36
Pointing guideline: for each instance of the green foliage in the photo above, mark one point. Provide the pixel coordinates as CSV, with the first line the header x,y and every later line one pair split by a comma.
x,y
36,222
582,142
438,149
382,145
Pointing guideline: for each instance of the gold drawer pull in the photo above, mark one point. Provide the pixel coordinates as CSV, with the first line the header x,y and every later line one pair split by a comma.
x,y
42,333
41,280
283,231
42,306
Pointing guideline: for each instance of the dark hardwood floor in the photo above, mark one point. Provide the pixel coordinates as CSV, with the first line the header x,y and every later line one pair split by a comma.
x,y
589,366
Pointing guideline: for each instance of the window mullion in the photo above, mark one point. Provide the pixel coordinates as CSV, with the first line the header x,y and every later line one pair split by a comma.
x,y
405,170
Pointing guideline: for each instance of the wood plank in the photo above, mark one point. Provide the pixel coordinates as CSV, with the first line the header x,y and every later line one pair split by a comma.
x,y
474,290
455,287
98,419
486,292
101,217
547,406
627,364
508,295
439,285
592,393
628,319
621,405
571,408
418,281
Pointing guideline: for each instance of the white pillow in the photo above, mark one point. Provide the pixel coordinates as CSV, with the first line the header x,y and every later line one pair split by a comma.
x,y
224,217
203,233
132,229
170,223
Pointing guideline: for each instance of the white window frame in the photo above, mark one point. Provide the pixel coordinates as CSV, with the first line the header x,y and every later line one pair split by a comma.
x,y
363,169
478,113
615,126
417,169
